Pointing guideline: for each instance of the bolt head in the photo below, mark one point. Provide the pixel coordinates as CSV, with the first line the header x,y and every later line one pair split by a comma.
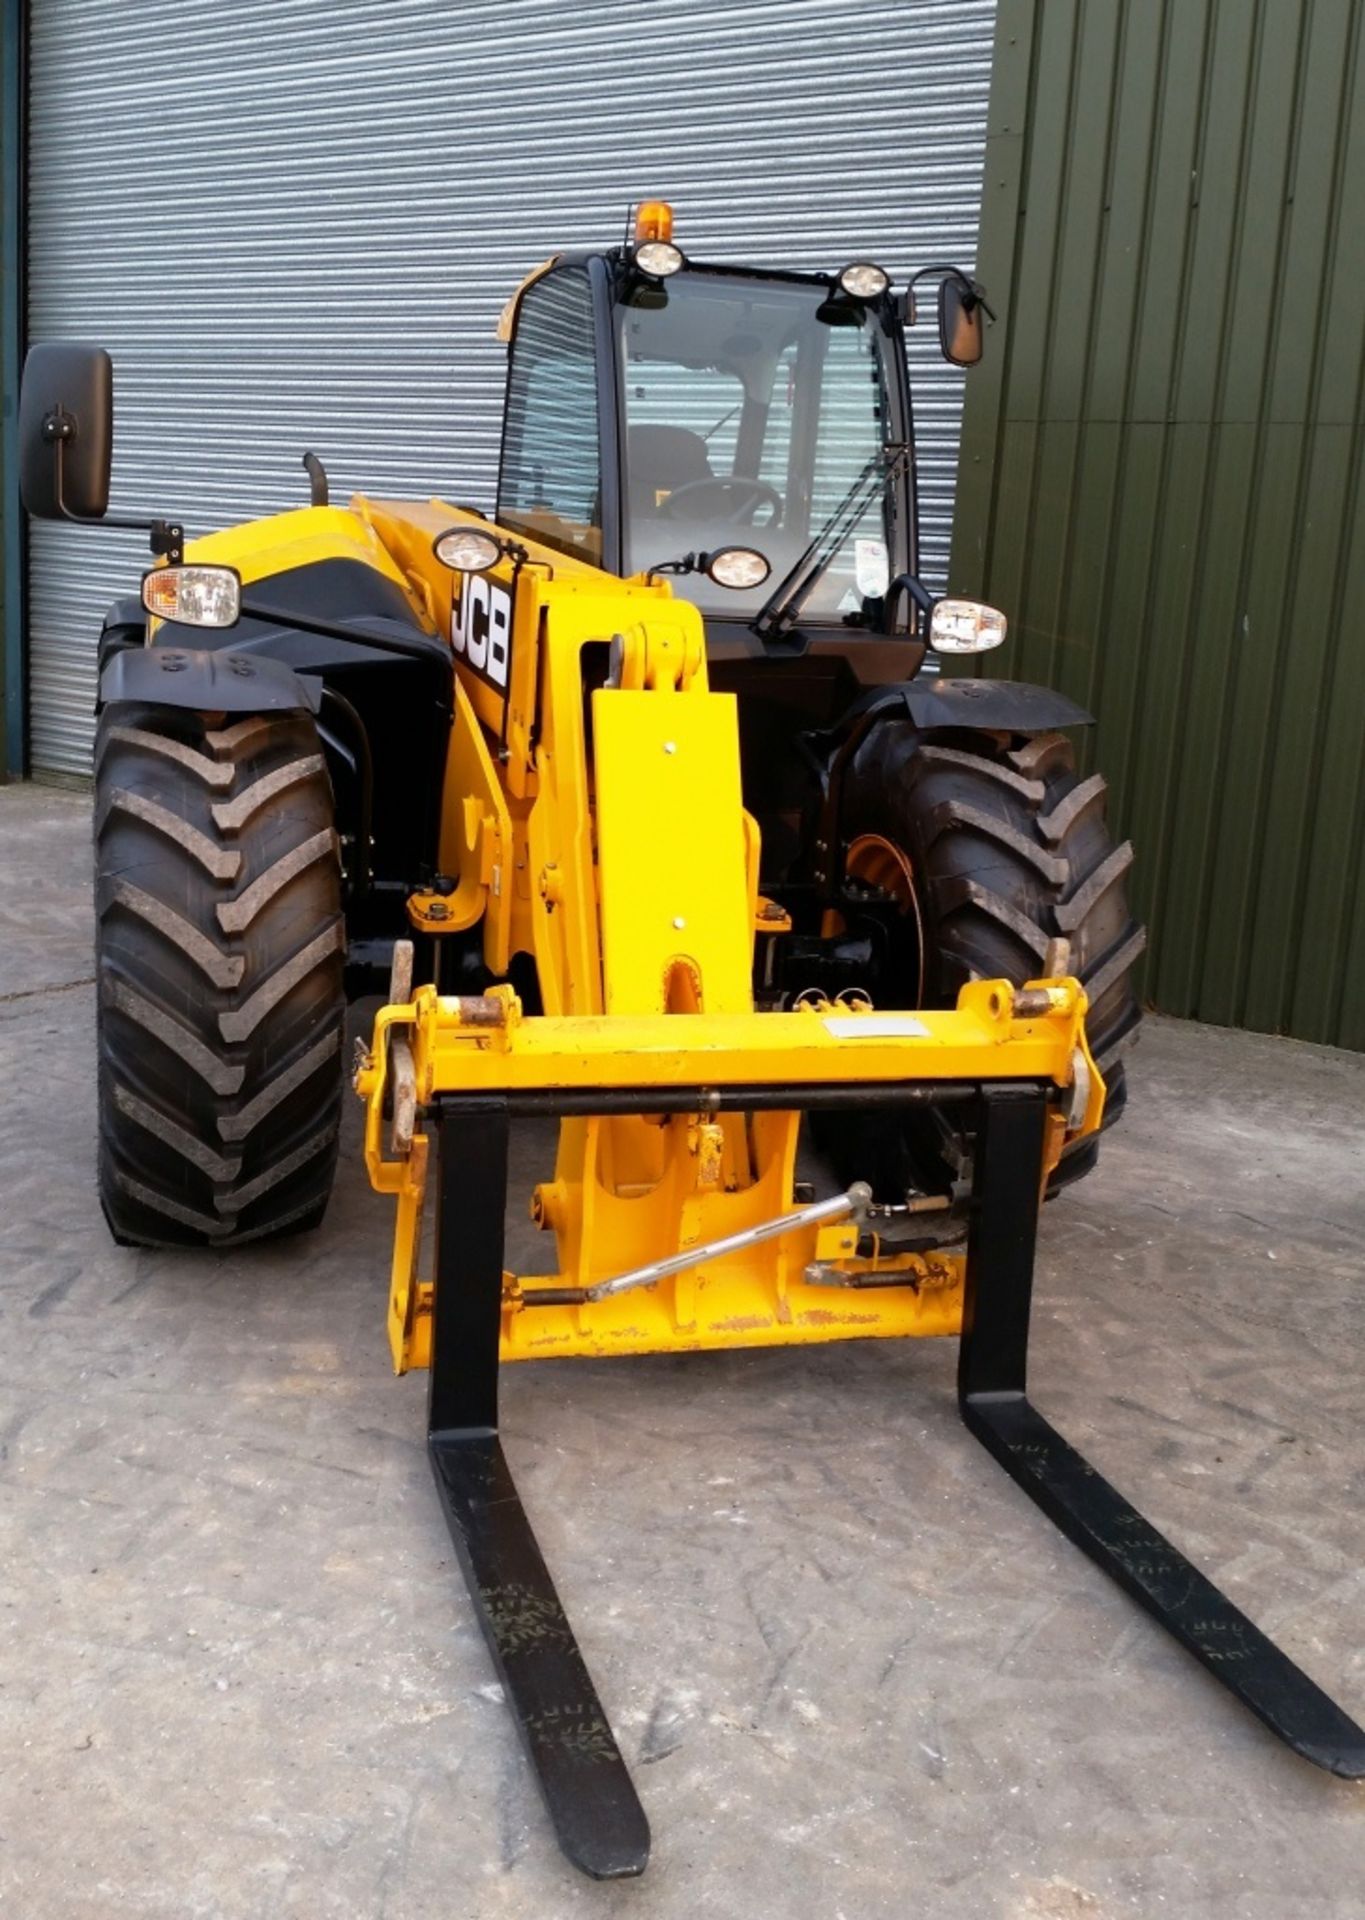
x,y
679,922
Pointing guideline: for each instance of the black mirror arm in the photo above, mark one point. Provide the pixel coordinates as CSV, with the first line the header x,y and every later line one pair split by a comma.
x,y
689,563
164,536
973,293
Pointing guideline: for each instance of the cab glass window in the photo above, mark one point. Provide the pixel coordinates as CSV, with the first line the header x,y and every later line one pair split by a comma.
x,y
550,486
756,415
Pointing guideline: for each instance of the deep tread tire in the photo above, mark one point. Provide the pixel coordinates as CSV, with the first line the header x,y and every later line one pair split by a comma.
x,y
219,959
1009,849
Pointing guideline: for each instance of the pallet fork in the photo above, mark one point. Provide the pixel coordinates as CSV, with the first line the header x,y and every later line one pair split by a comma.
x,y
467,1069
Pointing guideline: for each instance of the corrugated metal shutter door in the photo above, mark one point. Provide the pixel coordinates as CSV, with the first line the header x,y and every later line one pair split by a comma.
x,y
294,225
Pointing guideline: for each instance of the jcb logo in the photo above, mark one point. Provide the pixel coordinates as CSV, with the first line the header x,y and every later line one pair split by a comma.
x,y
481,627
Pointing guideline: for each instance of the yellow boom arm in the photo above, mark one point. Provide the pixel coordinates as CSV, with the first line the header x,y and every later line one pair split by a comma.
x,y
605,833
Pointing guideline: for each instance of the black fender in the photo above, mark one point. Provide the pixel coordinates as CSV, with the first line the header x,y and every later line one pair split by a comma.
x,y
126,616
1005,706
213,680
125,625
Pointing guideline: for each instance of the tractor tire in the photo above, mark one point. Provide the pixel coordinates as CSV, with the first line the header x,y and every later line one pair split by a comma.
x,y
1004,849
219,965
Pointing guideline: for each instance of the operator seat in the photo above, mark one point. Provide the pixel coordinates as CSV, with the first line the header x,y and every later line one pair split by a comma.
x,y
661,459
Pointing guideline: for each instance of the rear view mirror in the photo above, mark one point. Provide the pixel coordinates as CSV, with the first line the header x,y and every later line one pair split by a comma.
x,y
959,322
66,431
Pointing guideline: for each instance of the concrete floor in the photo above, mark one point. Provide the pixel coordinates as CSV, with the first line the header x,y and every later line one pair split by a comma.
x,y
856,1673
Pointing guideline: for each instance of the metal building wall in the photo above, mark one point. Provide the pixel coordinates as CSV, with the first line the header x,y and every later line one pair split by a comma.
x,y
1161,464
11,304
294,223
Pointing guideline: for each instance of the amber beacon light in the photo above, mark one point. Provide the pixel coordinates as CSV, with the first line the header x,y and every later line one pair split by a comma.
x,y
653,221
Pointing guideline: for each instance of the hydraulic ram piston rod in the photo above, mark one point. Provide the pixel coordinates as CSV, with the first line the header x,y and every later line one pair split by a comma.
x,y
837,1207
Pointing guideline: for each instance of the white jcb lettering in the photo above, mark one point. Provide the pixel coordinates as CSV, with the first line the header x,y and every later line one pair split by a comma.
x,y
499,635
481,627
474,609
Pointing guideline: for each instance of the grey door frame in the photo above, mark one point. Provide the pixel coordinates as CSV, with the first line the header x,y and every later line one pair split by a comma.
x,y
13,545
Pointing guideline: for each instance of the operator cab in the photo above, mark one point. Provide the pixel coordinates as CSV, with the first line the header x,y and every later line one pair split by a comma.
x,y
659,410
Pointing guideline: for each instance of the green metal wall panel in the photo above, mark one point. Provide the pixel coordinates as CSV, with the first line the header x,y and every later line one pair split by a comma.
x,y
1161,464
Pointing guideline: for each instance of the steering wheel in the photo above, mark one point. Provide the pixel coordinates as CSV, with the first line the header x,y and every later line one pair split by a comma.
x,y
734,502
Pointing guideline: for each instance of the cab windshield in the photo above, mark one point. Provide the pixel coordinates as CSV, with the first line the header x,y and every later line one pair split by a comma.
x,y
753,410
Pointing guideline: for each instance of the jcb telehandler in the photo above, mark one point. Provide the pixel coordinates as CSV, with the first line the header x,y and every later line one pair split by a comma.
x,y
642,771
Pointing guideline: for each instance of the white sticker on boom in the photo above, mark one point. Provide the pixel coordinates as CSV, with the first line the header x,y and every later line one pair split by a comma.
x,y
876,1026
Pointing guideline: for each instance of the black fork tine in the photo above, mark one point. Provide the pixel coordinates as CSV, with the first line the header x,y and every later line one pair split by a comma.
x,y
992,1395
592,1802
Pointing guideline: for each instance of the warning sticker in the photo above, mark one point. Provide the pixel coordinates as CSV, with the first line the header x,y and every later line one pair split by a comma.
x,y
870,568
876,1026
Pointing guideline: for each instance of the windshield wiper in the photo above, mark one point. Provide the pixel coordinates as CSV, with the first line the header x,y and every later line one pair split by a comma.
x,y
724,420
781,610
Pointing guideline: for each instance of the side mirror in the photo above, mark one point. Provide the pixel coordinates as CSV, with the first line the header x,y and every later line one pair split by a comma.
x,y
66,432
959,322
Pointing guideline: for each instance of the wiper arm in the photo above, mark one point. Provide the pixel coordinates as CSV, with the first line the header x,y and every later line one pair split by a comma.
x,y
782,608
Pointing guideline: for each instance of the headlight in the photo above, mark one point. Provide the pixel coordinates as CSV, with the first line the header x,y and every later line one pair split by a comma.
x,y
658,258
965,626
195,596
467,550
737,567
864,281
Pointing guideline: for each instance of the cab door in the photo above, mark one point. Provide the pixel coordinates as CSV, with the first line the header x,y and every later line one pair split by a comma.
x,y
551,481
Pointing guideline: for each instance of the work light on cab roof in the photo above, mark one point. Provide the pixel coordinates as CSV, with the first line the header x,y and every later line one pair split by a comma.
x,y
864,280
